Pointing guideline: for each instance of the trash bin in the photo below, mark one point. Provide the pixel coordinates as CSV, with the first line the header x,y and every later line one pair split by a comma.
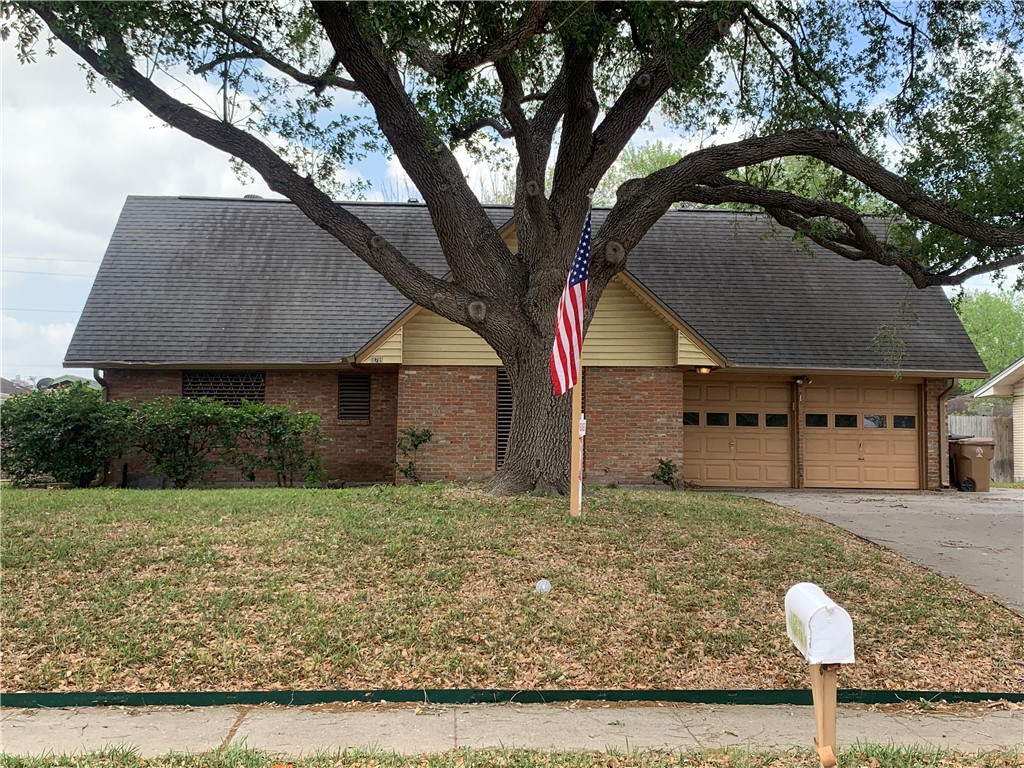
x,y
973,459
951,441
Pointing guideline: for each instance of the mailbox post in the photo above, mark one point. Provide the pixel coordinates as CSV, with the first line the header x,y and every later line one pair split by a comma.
x,y
823,632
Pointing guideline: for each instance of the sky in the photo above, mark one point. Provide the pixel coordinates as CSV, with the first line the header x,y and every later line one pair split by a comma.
x,y
69,159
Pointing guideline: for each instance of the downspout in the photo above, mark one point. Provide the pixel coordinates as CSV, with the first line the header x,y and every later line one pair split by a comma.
x,y
940,406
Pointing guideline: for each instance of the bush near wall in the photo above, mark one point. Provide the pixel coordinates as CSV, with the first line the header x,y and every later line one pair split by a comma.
x,y
186,439
67,434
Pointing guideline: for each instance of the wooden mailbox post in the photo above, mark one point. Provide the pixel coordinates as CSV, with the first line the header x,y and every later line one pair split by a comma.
x,y
823,632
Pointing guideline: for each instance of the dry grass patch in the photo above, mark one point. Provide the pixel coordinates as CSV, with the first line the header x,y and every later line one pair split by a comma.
x,y
432,587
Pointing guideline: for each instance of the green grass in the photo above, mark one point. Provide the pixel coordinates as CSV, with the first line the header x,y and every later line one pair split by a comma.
x,y
432,587
1016,484
867,756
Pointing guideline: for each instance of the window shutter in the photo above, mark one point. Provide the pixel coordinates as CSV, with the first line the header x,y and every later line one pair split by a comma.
x,y
354,396
504,412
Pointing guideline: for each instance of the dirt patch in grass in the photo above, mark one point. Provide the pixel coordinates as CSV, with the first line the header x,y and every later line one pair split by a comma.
x,y
433,587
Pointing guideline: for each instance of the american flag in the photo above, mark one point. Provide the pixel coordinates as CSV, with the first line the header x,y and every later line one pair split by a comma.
x,y
565,354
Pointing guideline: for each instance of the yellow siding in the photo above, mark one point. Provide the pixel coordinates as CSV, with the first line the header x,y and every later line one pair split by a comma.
x,y
688,353
511,238
625,332
432,340
388,352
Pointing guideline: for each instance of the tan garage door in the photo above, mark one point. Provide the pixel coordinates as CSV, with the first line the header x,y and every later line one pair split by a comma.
x,y
861,436
737,434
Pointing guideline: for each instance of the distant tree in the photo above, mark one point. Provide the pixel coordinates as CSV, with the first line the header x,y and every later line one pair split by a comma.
x,y
919,103
995,323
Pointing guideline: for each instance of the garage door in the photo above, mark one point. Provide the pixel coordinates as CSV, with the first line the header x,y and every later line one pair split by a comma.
x,y
737,434
861,436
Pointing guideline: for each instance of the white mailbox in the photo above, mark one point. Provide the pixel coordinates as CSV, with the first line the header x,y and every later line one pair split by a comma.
x,y
821,630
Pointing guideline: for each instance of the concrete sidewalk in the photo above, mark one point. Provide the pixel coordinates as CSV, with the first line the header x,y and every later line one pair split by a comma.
x,y
298,731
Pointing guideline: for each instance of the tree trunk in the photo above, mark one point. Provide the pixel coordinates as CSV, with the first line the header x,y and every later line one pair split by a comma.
x,y
537,458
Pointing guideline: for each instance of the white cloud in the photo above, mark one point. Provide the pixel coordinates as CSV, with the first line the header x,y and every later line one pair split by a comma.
x,y
30,349
70,158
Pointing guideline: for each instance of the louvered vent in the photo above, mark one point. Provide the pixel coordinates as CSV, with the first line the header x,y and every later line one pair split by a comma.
x,y
504,411
354,396
230,387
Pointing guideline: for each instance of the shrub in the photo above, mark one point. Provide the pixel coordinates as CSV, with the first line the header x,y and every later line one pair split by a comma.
x,y
409,443
279,440
185,438
68,434
667,473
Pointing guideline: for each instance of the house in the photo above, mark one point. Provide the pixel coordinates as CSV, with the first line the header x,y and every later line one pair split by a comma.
x,y
742,356
1010,383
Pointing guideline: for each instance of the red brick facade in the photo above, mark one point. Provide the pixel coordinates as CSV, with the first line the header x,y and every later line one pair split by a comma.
x,y
459,405
634,417
936,451
354,452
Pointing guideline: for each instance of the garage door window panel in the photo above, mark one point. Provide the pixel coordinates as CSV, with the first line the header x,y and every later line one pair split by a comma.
x,y
816,420
776,420
875,420
904,422
691,418
846,421
717,419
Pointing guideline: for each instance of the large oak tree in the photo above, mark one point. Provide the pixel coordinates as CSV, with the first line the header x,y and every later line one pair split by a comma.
x,y
913,106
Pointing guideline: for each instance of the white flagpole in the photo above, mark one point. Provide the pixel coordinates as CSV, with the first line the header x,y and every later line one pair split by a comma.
x,y
576,451
578,426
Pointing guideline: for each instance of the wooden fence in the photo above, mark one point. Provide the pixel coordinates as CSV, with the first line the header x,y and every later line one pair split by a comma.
x,y
1000,428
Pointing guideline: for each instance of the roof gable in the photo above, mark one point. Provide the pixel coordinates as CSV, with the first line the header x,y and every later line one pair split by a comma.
x,y
1002,384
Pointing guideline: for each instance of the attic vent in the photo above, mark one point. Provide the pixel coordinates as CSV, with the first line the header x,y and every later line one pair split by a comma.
x,y
253,197
353,397
230,387
504,423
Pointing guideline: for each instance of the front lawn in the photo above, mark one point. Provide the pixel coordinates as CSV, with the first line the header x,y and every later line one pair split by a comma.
x,y
433,587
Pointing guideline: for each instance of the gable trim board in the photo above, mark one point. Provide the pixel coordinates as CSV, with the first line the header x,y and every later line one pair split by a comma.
x,y
195,284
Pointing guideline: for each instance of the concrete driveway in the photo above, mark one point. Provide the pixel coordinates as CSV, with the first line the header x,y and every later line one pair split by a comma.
x,y
977,538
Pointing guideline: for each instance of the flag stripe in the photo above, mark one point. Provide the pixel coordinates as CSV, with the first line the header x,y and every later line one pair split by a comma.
x,y
568,343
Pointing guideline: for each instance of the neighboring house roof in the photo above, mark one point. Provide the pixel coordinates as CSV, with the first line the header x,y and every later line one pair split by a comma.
x,y
1002,384
200,281
8,387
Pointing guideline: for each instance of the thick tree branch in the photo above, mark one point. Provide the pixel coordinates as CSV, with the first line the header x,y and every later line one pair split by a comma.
x,y
319,83
642,202
472,246
530,24
416,284
662,188
459,133
646,88
530,171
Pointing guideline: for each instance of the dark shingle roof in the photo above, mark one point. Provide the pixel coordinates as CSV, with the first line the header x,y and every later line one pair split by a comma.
x,y
763,300
200,280
205,281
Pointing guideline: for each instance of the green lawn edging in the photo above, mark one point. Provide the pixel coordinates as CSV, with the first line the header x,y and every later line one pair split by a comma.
x,y
480,696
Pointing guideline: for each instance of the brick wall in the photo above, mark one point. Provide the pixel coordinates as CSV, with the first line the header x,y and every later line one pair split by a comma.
x,y
459,405
937,451
354,452
634,417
